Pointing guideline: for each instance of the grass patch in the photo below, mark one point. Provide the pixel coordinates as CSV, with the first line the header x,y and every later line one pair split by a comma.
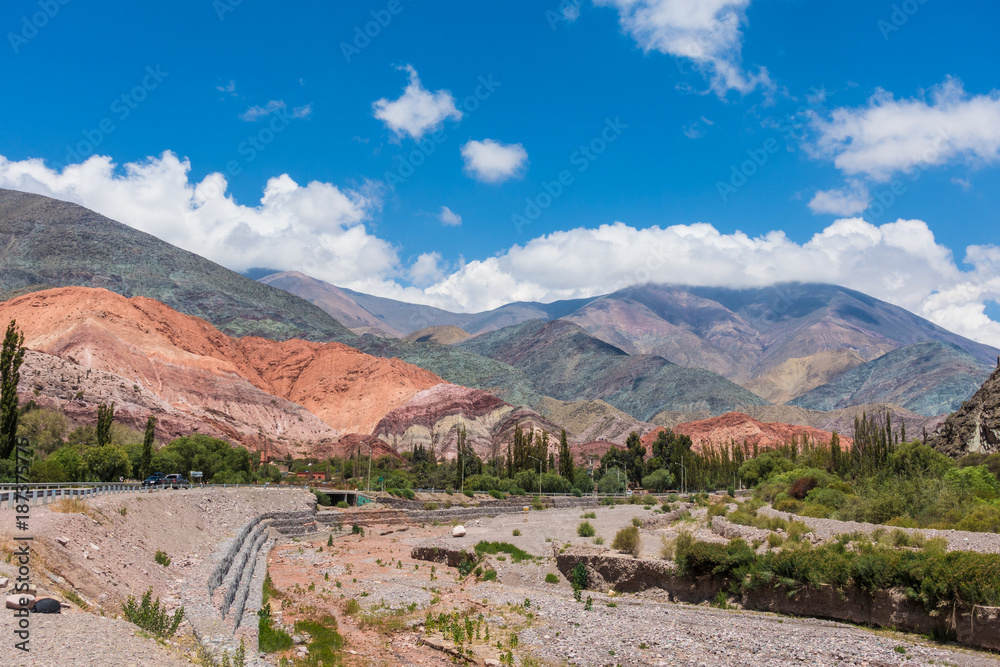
x,y
551,578
76,506
326,644
589,515
516,555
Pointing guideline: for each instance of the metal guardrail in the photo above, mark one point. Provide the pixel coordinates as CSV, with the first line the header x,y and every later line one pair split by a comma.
x,y
43,494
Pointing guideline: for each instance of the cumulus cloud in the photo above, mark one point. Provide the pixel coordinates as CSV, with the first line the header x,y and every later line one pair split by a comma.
x,y
493,162
449,218
317,228
426,270
706,32
849,200
887,136
418,111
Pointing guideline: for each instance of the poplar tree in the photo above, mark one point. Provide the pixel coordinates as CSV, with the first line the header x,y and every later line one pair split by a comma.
x,y
146,460
10,374
105,415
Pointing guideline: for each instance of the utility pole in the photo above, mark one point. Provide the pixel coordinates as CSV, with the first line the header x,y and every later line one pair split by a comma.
x,y
683,476
539,474
369,468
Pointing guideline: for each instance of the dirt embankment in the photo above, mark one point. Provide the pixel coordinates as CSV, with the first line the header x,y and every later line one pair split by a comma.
x,y
108,552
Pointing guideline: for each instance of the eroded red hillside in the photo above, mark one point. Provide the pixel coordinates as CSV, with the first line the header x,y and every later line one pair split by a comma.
x,y
740,428
193,368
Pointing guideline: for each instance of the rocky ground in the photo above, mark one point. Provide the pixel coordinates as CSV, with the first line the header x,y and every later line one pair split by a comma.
x,y
394,594
529,609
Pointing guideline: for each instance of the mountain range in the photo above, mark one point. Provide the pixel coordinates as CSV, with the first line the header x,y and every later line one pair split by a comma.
x,y
307,363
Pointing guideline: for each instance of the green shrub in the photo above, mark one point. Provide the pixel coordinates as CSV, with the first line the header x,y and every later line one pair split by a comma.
x,y
357,530
774,540
637,522
551,578
489,575
579,579
269,638
430,507
162,558
352,607
814,511
536,504
499,495
598,540
589,515
585,529
152,616
407,493
342,505
717,509
628,540
832,498
516,532
788,505
470,494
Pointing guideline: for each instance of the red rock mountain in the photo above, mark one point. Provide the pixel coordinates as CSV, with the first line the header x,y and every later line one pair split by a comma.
x,y
246,388
740,428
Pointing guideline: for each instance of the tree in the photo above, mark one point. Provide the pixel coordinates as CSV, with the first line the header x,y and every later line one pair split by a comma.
x,y
565,457
105,417
10,375
658,480
146,460
612,482
46,429
108,462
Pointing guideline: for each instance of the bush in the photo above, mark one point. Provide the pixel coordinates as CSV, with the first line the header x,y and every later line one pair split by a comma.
x,y
430,507
343,505
585,529
151,616
162,558
468,493
579,579
517,491
832,498
627,540
499,495
352,607
357,530
322,499
489,575
516,532
551,578
717,509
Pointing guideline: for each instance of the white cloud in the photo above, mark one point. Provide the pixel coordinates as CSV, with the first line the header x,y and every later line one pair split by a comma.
x,y
320,229
426,270
849,200
706,32
258,112
493,162
229,88
317,228
418,111
887,136
303,111
449,218
963,183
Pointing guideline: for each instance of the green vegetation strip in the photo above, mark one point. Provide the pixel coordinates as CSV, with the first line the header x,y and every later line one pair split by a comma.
x,y
928,576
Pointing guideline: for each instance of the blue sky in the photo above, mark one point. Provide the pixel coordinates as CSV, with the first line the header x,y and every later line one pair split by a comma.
x,y
733,142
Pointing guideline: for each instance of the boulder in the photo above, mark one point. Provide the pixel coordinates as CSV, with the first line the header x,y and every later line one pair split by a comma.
x,y
20,601
458,531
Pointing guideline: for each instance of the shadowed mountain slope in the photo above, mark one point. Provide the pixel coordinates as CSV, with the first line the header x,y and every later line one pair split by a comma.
x,y
928,378
565,362
47,243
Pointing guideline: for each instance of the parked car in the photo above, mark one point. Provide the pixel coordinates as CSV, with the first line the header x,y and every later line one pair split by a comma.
x,y
176,482
154,479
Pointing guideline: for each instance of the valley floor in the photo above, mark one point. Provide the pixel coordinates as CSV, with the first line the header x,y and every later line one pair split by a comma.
x,y
376,570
